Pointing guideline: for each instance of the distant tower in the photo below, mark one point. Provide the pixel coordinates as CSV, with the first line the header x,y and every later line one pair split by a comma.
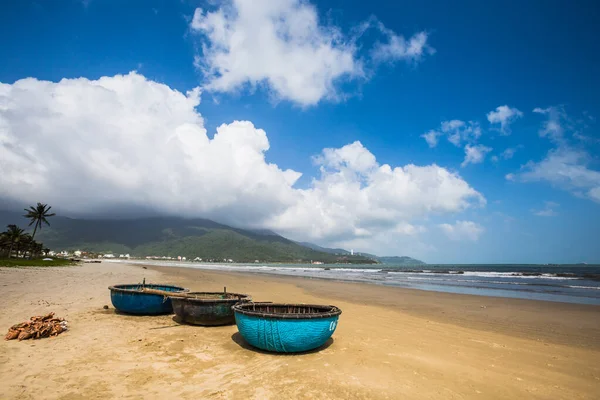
x,y
351,252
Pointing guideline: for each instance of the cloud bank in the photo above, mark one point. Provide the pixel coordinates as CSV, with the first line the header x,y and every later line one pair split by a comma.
x,y
88,145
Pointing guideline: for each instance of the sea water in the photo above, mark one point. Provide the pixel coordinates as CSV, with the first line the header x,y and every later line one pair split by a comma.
x,y
562,283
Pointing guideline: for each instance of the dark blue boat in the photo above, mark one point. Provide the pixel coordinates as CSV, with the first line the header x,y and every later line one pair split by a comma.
x,y
286,328
131,300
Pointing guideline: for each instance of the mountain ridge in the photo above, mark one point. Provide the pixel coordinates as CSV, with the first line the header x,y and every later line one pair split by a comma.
x,y
173,236
196,237
398,260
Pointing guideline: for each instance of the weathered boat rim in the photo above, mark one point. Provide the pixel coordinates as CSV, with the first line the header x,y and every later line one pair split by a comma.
x,y
123,288
238,297
325,311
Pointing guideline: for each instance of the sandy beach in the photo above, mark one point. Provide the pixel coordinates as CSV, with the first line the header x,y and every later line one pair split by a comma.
x,y
391,343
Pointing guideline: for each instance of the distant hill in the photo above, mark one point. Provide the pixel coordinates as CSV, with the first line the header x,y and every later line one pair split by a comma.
x,y
323,249
172,237
397,260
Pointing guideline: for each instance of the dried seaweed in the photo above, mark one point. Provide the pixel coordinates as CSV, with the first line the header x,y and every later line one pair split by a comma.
x,y
37,327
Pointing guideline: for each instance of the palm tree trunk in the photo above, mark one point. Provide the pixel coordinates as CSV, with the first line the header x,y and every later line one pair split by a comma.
x,y
35,229
10,250
32,238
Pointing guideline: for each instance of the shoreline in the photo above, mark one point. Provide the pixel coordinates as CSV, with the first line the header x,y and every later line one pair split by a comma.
x,y
390,342
515,317
563,287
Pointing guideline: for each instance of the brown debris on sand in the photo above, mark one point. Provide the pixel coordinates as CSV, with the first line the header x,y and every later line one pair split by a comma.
x,y
37,327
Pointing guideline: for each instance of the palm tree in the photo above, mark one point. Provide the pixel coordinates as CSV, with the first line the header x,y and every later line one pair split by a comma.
x,y
14,234
36,249
37,215
28,246
4,242
23,244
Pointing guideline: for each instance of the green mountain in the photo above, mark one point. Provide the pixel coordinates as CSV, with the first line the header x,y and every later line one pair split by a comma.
x,y
172,237
324,249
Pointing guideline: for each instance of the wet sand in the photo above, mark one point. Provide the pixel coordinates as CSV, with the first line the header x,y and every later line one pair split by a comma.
x,y
390,343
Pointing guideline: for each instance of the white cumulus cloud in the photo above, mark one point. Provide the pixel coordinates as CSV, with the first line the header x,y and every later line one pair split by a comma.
x,y
507,154
398,48
462,230
284,47
549,210
475,154
553,126
504,116
431,138
85,145
594,194
565,166
121,142
355,196
456,131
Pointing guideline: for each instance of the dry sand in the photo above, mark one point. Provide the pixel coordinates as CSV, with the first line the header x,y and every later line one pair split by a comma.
x,y
391,343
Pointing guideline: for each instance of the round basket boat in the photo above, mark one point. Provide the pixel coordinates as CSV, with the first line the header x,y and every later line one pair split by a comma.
x,y
286,328
131,300
208,308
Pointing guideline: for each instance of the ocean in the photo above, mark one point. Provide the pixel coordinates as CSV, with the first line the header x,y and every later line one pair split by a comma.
x,y
562,283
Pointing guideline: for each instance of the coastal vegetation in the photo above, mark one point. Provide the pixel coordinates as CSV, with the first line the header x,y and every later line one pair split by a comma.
x,y
35,262
16,244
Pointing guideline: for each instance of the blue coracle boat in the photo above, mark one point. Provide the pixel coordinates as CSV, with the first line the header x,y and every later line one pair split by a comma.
x,y
131,300
286,328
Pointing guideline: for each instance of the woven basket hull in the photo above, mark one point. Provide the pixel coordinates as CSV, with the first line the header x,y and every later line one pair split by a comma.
x,y
285,335
126,299
207,312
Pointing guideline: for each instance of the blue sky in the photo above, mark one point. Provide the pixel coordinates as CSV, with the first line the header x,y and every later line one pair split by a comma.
x,y
538,202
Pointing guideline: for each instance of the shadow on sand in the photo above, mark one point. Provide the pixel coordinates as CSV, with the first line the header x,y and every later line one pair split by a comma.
x,y
239,340
115,311
138,317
